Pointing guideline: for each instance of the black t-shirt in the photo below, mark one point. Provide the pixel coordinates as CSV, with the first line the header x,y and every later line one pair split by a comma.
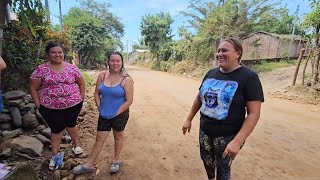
x,y
224,97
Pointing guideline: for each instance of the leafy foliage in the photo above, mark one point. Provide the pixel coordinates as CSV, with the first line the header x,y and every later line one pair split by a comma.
x,y
278,22
23,42
89,40
95,31
213,21
156,31
312,21
22,54
166,50
88,79
30,12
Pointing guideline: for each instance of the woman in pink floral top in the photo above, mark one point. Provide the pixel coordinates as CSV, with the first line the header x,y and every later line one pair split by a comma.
x,y
58,90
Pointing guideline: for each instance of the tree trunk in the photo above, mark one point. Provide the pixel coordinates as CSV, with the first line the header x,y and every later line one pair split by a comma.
x,y
316,65
297,67
316,70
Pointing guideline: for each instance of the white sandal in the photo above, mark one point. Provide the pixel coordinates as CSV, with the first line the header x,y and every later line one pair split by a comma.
x,y
77,150
52,164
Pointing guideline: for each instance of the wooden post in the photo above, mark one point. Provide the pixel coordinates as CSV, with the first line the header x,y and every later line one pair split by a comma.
x,y
305,65
297,67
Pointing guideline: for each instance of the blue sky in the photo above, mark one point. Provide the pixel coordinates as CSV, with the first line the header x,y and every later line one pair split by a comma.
x,y
131,11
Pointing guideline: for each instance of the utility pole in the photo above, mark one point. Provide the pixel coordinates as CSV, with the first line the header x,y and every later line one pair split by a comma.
x,y
293,29
47,6
60,15
127,51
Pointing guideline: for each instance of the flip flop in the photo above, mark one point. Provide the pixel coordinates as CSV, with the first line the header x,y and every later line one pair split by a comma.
x,y
115,167
81,169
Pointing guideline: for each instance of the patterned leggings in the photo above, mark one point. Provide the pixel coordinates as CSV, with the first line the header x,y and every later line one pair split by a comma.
x,y
211,150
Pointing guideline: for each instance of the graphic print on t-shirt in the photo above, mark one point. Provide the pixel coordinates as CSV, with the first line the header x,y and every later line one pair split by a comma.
x,y
216,97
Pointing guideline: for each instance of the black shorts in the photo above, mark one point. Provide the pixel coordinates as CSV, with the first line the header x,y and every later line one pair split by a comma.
x,y
59,119
117,123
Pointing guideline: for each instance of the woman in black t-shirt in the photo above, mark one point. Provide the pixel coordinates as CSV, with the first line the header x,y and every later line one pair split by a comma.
x,y
229,100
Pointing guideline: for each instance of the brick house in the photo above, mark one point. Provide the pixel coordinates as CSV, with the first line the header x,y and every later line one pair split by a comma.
x,y
264,45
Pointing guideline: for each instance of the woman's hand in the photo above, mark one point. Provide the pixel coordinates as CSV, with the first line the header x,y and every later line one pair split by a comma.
x,y
186,127
232,149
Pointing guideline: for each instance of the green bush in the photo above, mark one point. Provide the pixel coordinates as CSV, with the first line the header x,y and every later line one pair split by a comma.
x,y
88,78
183,67
155,65
22,53
166,65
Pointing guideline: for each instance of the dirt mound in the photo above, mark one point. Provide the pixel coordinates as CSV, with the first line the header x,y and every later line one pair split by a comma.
x,y
278,83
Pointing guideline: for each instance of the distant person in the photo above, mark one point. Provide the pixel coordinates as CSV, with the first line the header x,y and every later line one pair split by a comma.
x,y
3,65
58,90
113,96
229,100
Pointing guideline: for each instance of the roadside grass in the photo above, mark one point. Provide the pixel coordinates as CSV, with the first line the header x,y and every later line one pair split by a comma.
x,y
265,66
185,67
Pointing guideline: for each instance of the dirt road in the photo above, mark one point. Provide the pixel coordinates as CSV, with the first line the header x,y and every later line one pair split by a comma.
x,y
284,145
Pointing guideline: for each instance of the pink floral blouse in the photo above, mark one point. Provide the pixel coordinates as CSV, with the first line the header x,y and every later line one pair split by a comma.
x,y
58,90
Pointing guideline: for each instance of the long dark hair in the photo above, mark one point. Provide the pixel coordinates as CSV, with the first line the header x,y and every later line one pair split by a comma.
x,y
123,71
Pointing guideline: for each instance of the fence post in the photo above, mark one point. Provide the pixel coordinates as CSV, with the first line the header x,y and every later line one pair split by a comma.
x,y
297,67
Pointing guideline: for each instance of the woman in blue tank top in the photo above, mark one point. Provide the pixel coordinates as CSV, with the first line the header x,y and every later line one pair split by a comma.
x,y
113,97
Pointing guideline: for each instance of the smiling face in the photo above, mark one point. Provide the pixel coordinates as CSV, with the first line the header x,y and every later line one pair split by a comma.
x,y
56,55
115,63
227,56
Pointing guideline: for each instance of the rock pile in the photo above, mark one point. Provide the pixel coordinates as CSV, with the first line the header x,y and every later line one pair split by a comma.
x,y
24,134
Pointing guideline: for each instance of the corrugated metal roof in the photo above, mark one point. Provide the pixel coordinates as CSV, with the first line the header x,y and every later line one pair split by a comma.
x,y
281,36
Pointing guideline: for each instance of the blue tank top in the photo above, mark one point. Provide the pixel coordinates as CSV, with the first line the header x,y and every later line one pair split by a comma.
x,y
111,99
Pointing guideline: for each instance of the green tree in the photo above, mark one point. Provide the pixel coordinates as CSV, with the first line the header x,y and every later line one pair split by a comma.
x,y
279,21
111,22
312,21
90,41
215,20
30,12
104,22
97,14
22,41
156,31
166,50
